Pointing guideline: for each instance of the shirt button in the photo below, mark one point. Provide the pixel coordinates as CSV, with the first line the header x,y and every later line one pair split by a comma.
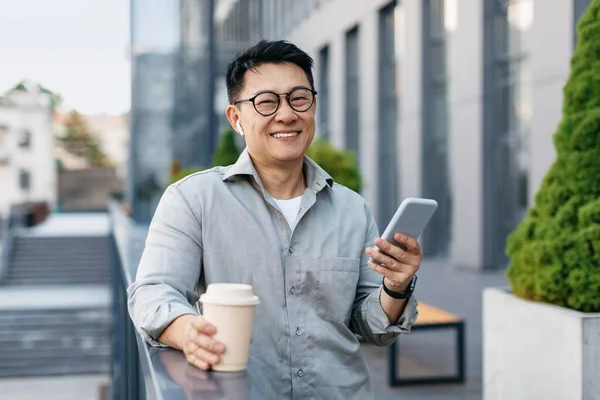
x,y
300,373
298,332
292,290
291,249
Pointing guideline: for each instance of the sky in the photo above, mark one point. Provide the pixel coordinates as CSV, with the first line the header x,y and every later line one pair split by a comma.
x,y
78,48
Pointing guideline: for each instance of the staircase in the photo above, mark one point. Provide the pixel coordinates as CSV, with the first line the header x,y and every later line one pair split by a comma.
x,y
55,300
59,261
54,342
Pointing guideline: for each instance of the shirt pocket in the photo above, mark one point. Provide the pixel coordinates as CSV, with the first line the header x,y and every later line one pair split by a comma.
x,y
338,278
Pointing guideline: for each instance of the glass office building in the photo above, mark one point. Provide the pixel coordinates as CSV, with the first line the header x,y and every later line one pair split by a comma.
x,y
172,120
446,99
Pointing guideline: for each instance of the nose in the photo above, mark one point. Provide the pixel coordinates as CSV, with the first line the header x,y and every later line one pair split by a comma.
x,y
285,114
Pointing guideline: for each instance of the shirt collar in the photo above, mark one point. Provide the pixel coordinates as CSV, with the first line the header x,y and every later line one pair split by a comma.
x,y
316,177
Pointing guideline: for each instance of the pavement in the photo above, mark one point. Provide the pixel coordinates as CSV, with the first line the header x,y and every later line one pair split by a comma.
x,y
36,297
82,387
458,291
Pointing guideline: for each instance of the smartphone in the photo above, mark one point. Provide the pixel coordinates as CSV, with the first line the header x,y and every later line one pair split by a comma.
x,y
411,218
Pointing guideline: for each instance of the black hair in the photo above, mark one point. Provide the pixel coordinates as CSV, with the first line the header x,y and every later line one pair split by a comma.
x,y
265,52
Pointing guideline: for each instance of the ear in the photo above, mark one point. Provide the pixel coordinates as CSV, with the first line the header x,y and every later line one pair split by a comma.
x,y
233,117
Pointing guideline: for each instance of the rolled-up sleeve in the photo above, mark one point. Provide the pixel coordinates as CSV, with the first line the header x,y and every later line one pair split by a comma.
x,y
368,318
169,268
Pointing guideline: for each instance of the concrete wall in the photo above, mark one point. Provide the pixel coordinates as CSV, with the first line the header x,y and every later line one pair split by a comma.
x,y
538,351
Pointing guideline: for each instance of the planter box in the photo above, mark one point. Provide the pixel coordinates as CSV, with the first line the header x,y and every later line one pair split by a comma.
x,y
538,351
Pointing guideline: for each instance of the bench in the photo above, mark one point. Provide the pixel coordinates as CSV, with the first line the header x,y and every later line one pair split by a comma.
x,y
431,318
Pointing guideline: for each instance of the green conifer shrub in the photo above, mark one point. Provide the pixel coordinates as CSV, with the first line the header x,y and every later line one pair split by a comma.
x,y
555,251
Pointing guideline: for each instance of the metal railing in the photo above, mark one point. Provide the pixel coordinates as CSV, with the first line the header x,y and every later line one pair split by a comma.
x,y
14,219
140,371
5,246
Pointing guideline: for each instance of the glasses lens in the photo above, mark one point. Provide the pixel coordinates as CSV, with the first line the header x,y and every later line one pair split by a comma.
x,y
266,103
301,99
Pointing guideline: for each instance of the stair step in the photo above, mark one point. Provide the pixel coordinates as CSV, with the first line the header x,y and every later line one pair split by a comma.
x,y
70,313
41,252
58,281
26,355
60,259
52,273
62,266
58,324
88,365
36,338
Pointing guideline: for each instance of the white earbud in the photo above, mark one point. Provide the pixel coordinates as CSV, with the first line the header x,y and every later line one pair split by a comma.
x,y
239,128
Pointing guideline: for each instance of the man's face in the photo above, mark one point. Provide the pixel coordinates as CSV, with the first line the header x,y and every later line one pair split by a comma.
x,y
263,134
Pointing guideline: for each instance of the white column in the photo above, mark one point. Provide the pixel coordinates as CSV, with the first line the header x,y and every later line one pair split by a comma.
x,y
336,81
465,65
552,46
409,144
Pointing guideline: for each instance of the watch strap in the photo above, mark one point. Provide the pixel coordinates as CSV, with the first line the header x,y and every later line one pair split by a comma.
x,y
401,295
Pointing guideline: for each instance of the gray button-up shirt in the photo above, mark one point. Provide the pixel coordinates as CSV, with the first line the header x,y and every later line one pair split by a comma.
x,y
316,289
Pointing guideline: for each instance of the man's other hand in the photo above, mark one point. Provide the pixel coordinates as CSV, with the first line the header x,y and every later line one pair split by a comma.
x,y
193,335
199,346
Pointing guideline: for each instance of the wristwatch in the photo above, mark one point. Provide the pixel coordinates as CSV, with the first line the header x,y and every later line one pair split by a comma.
x,y
401,295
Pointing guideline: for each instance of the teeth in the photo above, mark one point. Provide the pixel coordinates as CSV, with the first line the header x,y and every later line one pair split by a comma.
x,y
285,135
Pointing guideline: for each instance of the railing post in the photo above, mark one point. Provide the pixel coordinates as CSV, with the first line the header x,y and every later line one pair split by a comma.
x,y
126,380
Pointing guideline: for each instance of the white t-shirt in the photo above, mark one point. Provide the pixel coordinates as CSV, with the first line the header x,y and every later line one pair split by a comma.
x,y
290,209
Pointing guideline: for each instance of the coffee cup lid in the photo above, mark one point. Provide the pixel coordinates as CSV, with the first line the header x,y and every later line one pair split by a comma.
x,y
229,294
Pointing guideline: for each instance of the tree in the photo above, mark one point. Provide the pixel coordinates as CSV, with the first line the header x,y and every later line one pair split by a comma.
x,y
226,152
340,164
55,98
80,141
555,251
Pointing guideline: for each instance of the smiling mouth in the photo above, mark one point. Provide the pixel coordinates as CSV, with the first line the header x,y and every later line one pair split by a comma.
x,y
283,135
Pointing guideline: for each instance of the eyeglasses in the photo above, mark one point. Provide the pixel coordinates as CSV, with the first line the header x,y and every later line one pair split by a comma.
x,y
267,103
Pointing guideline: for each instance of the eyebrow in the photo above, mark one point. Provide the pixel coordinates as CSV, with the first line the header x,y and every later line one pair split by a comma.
x,y
273,91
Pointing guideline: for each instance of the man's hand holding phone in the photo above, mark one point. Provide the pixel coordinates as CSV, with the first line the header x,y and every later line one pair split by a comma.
x,y
396,264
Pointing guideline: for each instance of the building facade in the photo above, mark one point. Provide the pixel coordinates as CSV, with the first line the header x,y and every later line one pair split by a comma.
x,y
447,99
27,165
172,119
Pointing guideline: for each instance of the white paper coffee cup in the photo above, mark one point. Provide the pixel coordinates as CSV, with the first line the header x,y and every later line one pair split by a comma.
x,y
230,307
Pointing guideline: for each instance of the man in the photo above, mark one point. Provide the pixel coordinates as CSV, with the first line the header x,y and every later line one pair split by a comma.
x,y
277,221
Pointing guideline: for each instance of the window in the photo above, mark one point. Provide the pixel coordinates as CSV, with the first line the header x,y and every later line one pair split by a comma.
x,y
352,97
391,31
435,162
25,139
579,8
24,179
3,144
323,92
507,121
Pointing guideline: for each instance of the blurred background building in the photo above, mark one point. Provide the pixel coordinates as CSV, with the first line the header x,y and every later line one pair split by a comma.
x,y
27,169
447,99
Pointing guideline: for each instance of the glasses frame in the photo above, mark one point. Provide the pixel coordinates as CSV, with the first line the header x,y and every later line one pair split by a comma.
x,y
287,97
